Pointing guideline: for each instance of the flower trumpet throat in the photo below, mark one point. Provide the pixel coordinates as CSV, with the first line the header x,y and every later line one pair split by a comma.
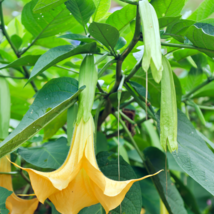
x,y
151,37
79,183
14,204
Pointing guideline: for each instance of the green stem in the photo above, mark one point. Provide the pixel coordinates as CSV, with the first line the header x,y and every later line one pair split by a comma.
x,y
130,136
105,67
8,173
130,2
134,71
13,77
190,93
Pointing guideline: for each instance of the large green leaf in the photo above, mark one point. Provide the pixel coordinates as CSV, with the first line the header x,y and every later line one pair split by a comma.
x,y
4,194
54,98
46,24
77,37
206,91
155,160
202,36
46,5
57,54
50,155
109,167
102,8
193,155
168,7
82,10
122,18
24,61
165,21
104,33
205,9
178,29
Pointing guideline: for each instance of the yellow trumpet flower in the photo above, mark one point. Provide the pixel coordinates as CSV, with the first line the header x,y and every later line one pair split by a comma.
x,y
15,204
79,183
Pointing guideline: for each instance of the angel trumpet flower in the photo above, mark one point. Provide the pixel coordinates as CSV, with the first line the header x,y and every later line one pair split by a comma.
x,y
14,204
79,183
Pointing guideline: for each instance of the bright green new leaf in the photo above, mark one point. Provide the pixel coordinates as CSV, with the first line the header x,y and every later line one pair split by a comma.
x,y
46,5
168,7
57,54
49,155
48,23
57,95
104,33
168,118
122,18
4,108
102,8
82,10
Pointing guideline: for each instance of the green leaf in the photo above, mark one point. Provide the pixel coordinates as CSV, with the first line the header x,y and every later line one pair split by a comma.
x,y
55,125
122,18
155,161
205,9
46,5
206,91
120,44
168,7
193,155
109,167
178,29
150,196
183,53
102,8
4,194
24,61
16,40
102,143
94,209
51,42
165,21
57,54
46,24
5,105
104,33
53,210
82,10
139,89
56,96
202,36
77,37
50,155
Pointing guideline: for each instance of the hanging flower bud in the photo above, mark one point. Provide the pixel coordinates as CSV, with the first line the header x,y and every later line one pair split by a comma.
x,y
151,37
168,116
87,76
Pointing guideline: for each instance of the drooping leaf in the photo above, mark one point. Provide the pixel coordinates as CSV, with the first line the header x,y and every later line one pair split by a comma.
x,y
46,24
202,36
102,8
4,194
46,5
109,167
57,54
50,155
122,18
23,61
56,96
205,9
168,7
155,160
81,10
139,89
104,33
193,155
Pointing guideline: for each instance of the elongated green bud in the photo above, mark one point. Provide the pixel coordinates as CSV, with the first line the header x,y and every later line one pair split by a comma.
x,y
4,108
88,76
151,37
168,116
